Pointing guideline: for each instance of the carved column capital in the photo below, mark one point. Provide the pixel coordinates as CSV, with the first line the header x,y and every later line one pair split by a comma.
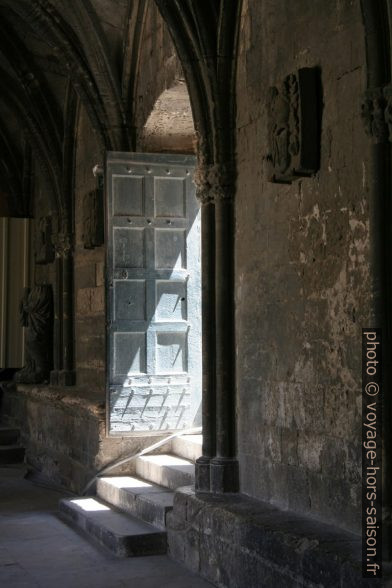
x,y
215,182
63,244
376,112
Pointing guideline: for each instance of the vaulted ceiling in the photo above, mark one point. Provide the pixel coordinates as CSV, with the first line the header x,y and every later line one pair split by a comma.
x,y
57,54
50,54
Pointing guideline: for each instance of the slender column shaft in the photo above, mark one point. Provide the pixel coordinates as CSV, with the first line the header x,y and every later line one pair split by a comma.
x,y
208,345
57,323
68,313
224,466
225,357
217,469
63,247
208,327
67,376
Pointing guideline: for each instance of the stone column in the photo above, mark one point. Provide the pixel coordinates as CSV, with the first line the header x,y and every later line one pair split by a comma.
x,y
377,118
217,469
224,466
57,336
202,482
64,252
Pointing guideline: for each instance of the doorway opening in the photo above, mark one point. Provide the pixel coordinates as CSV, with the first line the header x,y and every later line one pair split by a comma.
x,y
153,287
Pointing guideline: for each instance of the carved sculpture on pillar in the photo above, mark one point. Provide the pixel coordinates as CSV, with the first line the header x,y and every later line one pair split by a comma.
x,y
93,219
44,247
376,112
36,314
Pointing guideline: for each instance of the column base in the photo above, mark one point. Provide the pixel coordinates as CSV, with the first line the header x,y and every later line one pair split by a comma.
x,y
54,378
67,378
224,474
202,474
62,378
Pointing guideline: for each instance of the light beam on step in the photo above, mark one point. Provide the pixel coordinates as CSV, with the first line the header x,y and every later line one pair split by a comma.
x,y
126,482
89,504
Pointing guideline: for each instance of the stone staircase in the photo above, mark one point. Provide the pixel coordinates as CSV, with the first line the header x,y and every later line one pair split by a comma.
x,y
128,513
10,450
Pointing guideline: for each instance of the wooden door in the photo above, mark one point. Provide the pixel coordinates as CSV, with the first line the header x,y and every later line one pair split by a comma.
x,y
153,293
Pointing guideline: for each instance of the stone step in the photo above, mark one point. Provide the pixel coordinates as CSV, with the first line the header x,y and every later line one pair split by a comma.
x,y
187,446
122,534
9,436
140,498
10,454
166,470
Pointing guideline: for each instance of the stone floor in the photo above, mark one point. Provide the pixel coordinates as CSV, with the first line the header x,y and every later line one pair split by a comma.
x,y
38,550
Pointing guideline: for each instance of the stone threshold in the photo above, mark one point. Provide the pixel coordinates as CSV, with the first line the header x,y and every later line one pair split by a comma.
x,y
235,541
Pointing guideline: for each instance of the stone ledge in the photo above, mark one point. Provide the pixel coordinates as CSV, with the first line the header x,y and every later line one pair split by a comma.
x,y
238,542
64,433
61,397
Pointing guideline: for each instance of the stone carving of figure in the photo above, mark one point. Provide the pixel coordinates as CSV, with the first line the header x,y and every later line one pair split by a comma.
x,y
378,122
366,113
294,109
375,115
36,314
44,247
93,222
292,92
279,130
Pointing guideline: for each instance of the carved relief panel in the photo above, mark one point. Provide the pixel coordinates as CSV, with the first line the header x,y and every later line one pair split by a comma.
x,y
93,222
44,250
294,126
376,111
36,315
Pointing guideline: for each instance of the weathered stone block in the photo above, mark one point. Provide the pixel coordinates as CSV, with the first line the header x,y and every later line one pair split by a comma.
x,y
237,542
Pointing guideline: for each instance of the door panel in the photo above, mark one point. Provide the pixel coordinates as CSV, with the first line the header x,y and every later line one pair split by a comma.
x,y
153,293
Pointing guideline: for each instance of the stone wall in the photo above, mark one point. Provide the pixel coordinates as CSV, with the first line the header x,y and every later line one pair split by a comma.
x,y
303,288
64,432
238,542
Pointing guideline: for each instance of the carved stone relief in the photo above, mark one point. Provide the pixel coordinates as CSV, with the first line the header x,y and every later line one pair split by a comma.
x,y
294,126
63,244
44,250
93,222
376,112
36,315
